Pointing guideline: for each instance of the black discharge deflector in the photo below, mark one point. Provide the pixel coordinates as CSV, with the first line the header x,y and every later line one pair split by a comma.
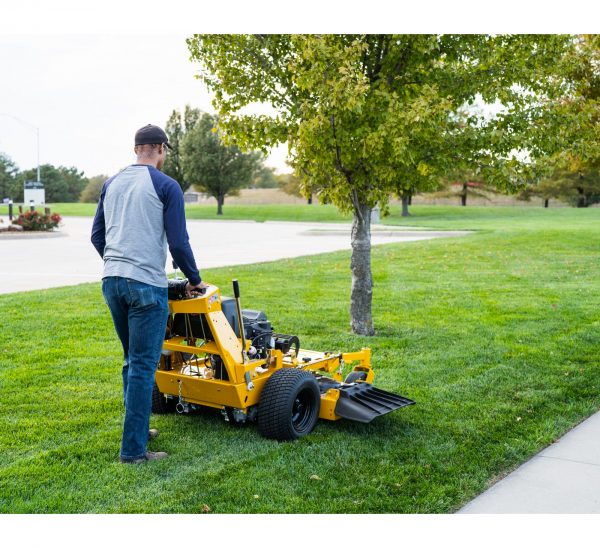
x,y
362,402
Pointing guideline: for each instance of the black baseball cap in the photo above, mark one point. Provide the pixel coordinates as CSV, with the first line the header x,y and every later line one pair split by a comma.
x,y
151,135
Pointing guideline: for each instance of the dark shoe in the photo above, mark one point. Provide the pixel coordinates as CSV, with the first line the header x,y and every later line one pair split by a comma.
x,y
152,433
150,455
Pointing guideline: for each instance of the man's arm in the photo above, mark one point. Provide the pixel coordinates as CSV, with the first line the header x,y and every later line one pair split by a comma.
x,y
177,235
99,227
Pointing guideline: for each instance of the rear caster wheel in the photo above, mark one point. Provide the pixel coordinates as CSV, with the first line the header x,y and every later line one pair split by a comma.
x,y
160,404
354,376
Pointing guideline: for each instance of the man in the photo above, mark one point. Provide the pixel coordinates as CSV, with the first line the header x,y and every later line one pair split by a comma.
x,y
140,211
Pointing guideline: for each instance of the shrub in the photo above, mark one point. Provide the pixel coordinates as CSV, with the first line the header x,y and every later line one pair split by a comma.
x,y
32,220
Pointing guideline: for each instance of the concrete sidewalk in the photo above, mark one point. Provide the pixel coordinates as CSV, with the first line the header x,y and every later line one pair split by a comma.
x,y
562,479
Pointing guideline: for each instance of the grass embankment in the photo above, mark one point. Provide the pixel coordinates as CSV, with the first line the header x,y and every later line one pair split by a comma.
x,y
495,335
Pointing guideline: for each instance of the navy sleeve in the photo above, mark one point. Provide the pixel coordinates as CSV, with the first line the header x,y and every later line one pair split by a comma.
x,y
98,227
171,195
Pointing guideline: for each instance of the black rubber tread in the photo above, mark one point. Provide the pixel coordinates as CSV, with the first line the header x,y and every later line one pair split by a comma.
x,y
354,376
276,403
160,405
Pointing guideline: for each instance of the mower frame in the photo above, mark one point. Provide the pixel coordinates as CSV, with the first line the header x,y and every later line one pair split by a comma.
x,y
190,381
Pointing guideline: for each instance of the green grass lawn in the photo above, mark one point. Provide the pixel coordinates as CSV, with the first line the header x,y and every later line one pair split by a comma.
x,y
450,217
495,335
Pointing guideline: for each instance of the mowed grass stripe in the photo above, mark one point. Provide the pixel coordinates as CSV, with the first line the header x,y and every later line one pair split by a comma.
x,y
495,335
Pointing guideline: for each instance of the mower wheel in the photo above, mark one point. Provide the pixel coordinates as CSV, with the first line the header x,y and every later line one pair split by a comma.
x,y
289,405
160,404
354,376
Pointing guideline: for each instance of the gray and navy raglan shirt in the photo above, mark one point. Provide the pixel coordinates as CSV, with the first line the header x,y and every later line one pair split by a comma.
x,y
140,211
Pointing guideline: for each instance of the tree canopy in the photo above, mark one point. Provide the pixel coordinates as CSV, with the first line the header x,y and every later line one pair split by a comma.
x,y
213,167
177,127
92,190
9,184
368,115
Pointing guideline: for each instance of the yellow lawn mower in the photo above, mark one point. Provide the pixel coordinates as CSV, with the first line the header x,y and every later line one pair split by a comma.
x,y
255,374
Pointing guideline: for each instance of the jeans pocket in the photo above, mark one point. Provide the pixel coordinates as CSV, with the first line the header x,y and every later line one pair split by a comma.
x,y
142,295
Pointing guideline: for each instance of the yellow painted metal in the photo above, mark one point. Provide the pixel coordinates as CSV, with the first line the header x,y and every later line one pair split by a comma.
x,y
210,301
211,392
191,379
328,403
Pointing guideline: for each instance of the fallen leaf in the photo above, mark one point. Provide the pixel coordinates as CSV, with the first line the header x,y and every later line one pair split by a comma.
x,y
256,497
315,477
205,508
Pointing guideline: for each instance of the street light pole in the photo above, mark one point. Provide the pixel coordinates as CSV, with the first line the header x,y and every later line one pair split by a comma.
x,y
37,131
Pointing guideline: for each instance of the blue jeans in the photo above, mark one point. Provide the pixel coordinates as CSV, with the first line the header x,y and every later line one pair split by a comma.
x,y
139,312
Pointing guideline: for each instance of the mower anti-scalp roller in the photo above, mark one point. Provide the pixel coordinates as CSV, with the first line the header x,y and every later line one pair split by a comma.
x,y
256,374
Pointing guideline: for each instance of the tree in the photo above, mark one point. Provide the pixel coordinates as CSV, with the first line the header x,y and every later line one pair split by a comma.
x,y
368,115
62,184
572,128
580,189
465,183
290,184
177,126
213,167
9,184
264,177
91,192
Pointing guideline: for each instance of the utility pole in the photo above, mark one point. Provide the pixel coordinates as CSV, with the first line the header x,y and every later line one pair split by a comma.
x,y
37,132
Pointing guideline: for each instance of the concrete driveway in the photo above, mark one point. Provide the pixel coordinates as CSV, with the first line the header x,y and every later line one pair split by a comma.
x,y
68,258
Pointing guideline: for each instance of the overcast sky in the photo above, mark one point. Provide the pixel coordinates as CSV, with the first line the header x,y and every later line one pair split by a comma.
x,y
89,94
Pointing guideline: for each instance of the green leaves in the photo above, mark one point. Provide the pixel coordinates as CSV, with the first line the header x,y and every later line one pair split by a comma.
x,y
376,114
213,166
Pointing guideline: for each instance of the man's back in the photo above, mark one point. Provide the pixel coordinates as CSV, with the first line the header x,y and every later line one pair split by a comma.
x,y
136,244
140,211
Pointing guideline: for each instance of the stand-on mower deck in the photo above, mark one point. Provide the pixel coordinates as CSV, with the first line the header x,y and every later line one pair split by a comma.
x,y
256,374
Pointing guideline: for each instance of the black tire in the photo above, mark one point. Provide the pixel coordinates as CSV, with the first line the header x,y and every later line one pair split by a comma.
x,y
354,376
160,405
289,405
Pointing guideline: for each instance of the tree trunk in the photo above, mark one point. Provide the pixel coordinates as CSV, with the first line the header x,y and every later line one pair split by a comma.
x,y
220,202
362,282
410,199
546,202
405,204
581,199
309,201
463,196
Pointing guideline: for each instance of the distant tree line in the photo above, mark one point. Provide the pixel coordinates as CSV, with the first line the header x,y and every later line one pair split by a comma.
x,y
199,160
62,184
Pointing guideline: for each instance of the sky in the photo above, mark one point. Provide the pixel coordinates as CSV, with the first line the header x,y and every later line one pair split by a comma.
x,y
88,75
88,94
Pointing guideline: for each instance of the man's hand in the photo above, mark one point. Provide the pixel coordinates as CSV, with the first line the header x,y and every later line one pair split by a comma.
x,y
195,290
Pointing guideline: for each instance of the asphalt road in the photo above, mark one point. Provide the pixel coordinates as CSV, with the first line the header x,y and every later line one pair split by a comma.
x,y
68,258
